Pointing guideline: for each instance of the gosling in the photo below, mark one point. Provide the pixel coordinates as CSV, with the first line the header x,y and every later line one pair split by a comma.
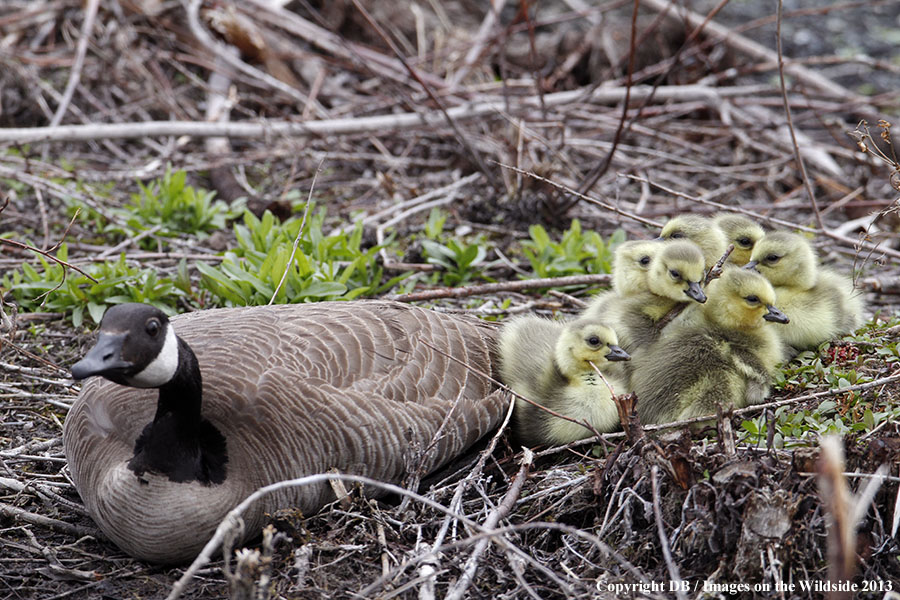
x,y
674,277
552,363
700,230
742,232
821,303
631,263
721,353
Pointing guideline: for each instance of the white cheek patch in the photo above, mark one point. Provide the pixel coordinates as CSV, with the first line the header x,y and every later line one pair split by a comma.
x,y
161,369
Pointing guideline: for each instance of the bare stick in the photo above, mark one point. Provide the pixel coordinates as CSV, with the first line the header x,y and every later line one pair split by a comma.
x,y
751,48
569,190
192,8
14,512
506,286
47,253
478,44
379,123
90,13
663,539
832,234
460,136
747,410
234,515
790,123
290,262
509,499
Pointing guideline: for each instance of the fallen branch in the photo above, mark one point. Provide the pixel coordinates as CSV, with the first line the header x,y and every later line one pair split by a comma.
x,y
90,13
750,48
506,286
14,512
379,123
674,575
509,499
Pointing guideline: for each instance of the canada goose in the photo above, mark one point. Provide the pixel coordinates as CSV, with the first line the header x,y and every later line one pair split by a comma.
x,y
549,362
742,232
286,391
700,230
720,353
821,304
631,262
674,277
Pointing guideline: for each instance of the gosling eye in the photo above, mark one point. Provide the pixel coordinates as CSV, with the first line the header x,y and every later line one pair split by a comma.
x,y
744,242
593,341
645,260
676,275
152,327
772,258
752,299
677,235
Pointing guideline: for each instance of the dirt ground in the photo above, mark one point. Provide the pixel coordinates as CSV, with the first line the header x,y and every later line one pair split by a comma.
x,y
542,92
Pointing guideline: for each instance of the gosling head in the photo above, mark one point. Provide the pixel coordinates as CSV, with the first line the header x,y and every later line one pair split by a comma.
x,y
631,264
742,299
701,231
785,259
743,233
137,346
586,341
676,272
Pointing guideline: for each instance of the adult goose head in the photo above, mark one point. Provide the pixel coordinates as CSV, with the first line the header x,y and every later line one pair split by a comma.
x,y
245,397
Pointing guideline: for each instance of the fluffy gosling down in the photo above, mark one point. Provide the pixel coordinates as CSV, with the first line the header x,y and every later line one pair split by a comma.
x,y
674,277
723,352
742,232
700,230
550,363
630,266
821,303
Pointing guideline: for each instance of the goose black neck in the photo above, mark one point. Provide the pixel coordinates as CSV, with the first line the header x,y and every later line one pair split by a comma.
x,y
180,443
182,396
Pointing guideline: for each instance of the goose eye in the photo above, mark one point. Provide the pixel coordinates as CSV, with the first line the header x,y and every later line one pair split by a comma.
x,y
645,260
675,274
593,341
772,258
152,328
677,235
745,242
752,299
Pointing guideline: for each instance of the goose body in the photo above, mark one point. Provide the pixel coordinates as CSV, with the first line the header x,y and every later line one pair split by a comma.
x,y
821,304
742,232
700,230
673,278
723,352
286,391
549,362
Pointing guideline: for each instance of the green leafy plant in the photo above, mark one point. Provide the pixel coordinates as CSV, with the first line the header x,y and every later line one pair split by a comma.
x,y
332,267
50,288
578,252
836,366
460,263
168,207
176,207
